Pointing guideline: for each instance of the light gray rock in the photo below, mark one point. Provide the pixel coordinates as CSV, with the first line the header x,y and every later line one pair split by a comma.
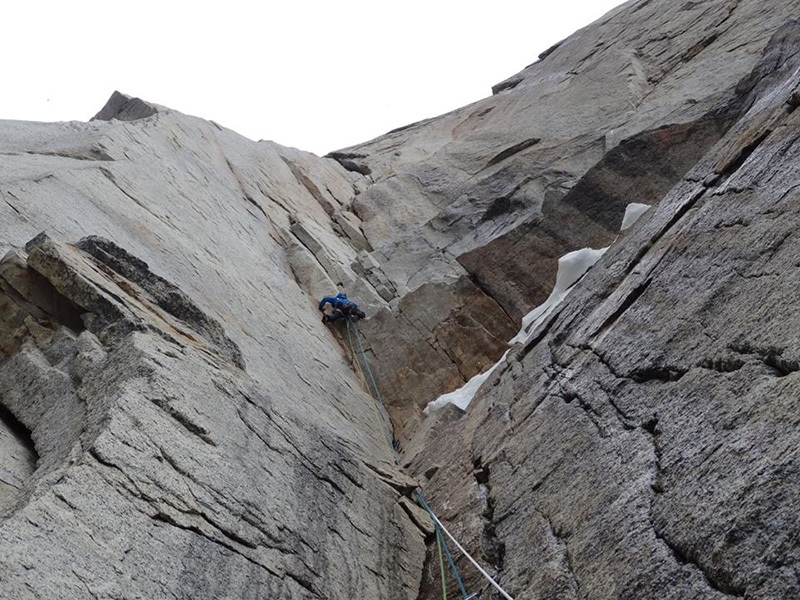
x,y
641,445
178,422
500,189
164,468
19,460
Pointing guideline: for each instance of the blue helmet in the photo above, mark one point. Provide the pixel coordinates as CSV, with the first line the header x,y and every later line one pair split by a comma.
x,y
342,295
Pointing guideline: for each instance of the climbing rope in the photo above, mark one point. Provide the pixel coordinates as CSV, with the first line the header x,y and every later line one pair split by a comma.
x,y
480,592
440,539
389,437
440,536
472,560
384,412
441,566
439,528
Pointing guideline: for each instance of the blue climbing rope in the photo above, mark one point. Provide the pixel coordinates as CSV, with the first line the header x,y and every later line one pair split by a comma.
x,y
390,435
453,566
386,426
384,412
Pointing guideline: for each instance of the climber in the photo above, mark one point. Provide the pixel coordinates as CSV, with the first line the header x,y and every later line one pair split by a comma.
x,y
342,308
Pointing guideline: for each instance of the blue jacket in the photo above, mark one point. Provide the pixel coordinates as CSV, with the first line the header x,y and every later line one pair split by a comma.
x,y
339,301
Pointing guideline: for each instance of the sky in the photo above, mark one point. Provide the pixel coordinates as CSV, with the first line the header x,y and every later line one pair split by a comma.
x,y
317,75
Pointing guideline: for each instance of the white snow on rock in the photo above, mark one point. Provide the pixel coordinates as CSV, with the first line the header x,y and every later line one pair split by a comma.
x,y
633,211
464,395
571,267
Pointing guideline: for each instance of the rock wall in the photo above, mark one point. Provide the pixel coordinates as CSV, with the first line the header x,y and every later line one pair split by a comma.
x,y
176,421
183,426
642,444
497,191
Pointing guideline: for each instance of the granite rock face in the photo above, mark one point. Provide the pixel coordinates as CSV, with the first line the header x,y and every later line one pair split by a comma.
x,y
175,420
643,443
498,190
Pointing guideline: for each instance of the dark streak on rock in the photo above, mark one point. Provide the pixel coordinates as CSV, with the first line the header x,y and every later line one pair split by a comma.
x,y
512,150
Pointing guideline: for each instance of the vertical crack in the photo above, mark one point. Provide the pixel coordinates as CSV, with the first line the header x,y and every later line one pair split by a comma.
x,y
494,549
683,556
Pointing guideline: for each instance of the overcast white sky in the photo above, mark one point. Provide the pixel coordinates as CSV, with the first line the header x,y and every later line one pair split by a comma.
x,y
318,75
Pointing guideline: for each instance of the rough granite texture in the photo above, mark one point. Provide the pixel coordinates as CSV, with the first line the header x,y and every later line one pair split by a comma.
x,y
644,443
176,422
199,432
498,190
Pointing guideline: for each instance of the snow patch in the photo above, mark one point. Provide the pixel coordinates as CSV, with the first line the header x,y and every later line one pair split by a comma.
x,y
571,267
633,211
464,395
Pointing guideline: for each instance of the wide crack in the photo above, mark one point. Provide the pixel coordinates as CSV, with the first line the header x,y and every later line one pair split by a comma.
x,y
18,459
